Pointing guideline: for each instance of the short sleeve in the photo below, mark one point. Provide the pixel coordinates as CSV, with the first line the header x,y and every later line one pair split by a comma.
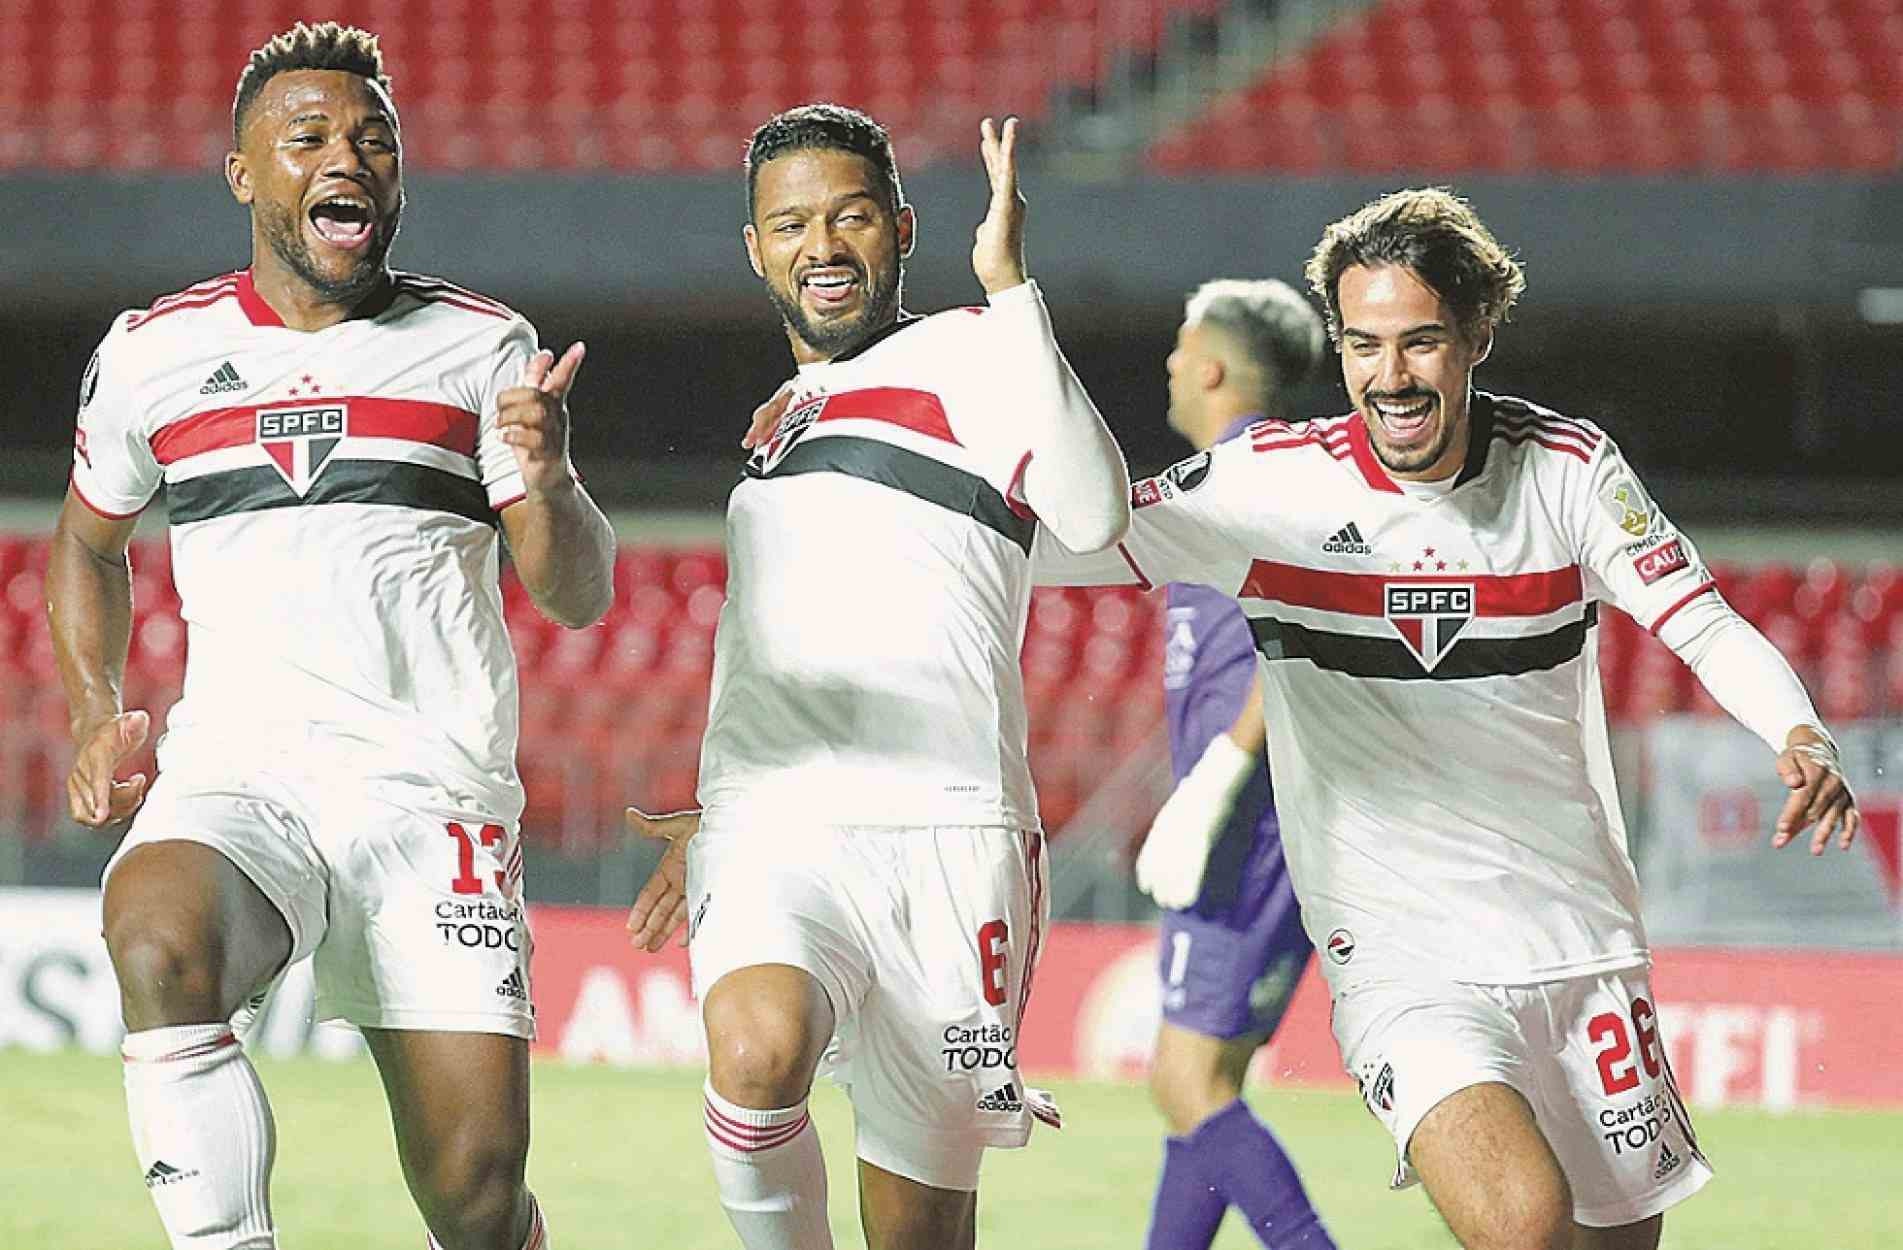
x,y
1632,554
114,471
501,476
1186,525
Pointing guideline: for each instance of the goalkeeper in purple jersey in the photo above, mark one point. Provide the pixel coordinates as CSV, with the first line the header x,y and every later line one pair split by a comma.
x,y
1232,945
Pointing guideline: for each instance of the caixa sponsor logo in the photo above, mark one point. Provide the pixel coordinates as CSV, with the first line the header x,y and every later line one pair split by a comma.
x,y
987,1046
480,925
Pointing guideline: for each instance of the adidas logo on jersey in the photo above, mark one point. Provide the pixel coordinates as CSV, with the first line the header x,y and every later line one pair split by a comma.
x,y
225,379
511,986
163,1173
1003,1098
1347,541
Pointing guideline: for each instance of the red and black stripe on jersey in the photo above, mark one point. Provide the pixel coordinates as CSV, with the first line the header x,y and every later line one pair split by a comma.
x,y
1496,596
887,464
343,479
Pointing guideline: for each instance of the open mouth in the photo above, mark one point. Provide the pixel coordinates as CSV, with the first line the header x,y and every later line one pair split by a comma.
x,y
343,221
1404,417
831,287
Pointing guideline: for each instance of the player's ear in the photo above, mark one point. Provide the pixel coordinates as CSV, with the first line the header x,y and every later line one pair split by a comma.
x,y
908,229
238,177
1211,372
753,250
1484,348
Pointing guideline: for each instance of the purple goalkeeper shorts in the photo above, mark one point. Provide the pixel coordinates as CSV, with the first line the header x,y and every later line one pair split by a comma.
x,y
1229,963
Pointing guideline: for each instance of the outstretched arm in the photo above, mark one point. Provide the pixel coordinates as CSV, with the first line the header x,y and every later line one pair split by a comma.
x,y
1751,680
563,547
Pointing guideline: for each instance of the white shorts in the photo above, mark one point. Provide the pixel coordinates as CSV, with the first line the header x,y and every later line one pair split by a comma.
x,y
413,914
924,940
1585,1052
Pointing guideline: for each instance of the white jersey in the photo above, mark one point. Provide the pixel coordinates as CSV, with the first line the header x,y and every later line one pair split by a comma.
x,y
333,499
878,577
1430,678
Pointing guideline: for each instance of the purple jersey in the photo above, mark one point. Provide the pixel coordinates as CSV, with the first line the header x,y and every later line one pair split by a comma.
x,y
1229,961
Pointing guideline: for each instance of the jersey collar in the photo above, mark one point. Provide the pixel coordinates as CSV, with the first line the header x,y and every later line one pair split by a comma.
x,y
1479,436
261,313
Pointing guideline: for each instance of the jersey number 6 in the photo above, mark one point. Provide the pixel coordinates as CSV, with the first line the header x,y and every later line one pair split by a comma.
x,y
993,954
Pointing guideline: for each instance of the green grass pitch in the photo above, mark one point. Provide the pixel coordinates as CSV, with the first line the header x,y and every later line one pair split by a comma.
x,y
618,1164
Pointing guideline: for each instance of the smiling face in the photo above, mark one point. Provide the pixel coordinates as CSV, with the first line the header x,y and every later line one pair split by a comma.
x,y
320,165
1408,368
829,247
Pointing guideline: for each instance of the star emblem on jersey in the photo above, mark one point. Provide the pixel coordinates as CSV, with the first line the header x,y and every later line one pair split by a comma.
x,y
299,440
1428,615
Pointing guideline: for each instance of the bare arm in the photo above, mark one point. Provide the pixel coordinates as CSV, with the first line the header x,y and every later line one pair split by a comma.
x,y
563,547
1249,733
89,610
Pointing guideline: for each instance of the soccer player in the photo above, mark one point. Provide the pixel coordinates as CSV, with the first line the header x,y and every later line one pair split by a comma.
x,y
1232,945
866,886
337,443
1439,741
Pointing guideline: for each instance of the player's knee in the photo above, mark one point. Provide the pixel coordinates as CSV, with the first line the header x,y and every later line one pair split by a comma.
x,y
167,975
767,1062
1186,1094
471,1191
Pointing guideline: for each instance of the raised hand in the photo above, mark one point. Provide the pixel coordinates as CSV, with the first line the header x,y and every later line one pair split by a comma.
x,y
997,250
532,418
93,797
661,907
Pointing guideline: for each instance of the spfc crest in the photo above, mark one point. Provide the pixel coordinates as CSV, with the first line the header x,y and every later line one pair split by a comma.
x,y
1429,616
797,420
299,440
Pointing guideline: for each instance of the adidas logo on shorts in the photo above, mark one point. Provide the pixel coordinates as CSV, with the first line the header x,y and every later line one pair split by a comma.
x,y
1004,1098
511,987
1668,1163
1347,541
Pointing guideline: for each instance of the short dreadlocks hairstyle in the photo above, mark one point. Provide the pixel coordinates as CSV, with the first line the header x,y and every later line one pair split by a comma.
x,y
830,127
327,45
1436,235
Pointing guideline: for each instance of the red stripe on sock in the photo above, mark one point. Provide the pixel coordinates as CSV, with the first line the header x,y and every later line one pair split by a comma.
x,y
750,1138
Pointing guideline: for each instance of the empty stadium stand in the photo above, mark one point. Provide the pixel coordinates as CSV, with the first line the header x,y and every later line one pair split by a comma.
x,y
626,85
614,713
1572,87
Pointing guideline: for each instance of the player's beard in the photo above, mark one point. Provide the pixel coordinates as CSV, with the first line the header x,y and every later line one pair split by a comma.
x,y
283,230
836,336
1413,459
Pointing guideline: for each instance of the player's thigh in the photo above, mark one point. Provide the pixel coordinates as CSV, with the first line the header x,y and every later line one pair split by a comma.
x,y
932,1066
899,1213
778,955
428,931
215,882
460,1106
1490,1171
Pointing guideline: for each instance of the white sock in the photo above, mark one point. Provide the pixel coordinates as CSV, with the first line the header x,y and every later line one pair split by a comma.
x,y
771,1177
538,1233
204,1136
